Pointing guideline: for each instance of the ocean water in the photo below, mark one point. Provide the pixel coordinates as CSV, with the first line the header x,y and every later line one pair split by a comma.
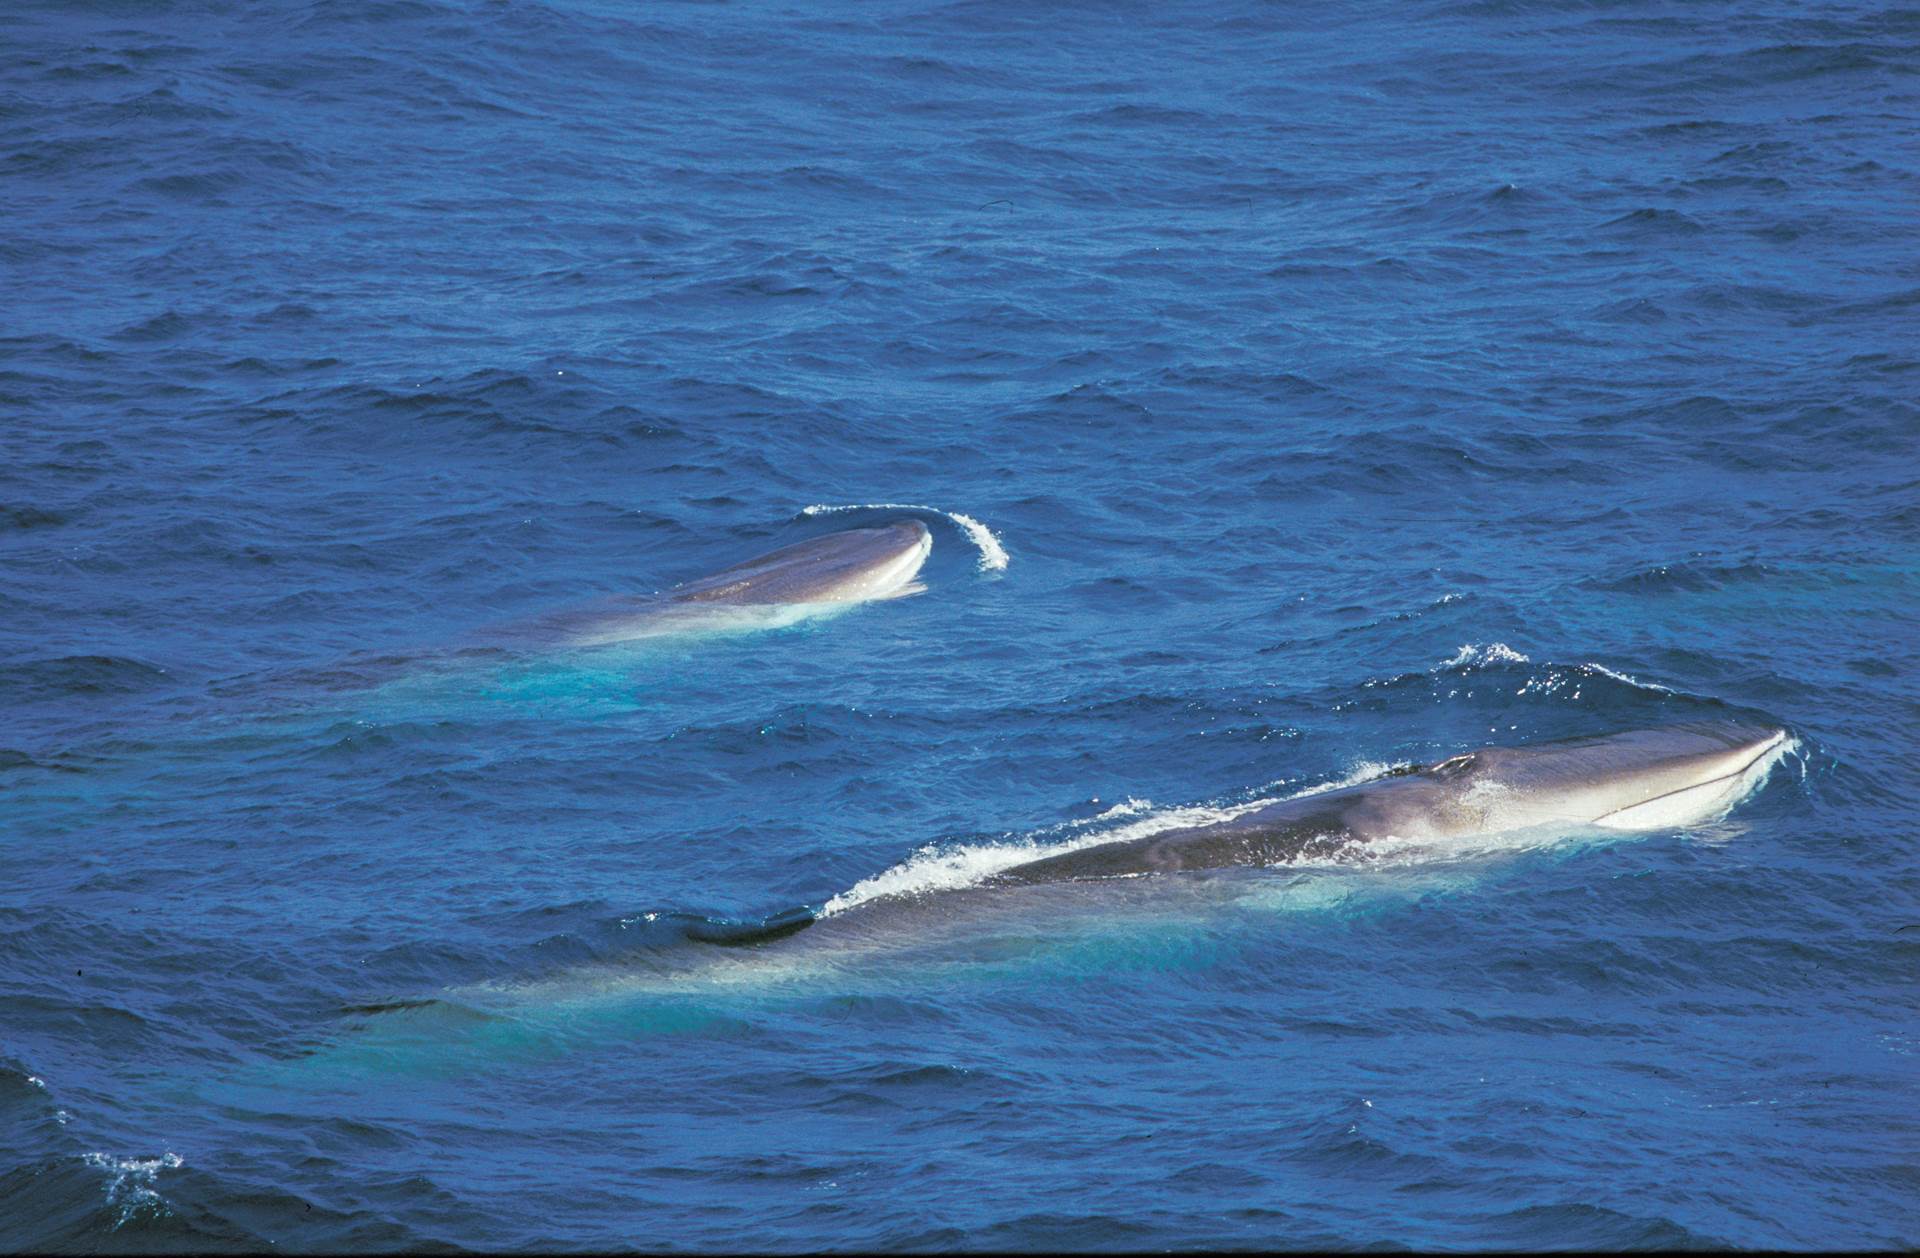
x,y
1293,392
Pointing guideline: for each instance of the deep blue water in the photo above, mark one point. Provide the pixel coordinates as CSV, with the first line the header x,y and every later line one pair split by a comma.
x,y
1347,387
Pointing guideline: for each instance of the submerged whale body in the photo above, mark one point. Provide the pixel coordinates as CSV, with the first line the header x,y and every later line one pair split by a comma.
x,y
815,577
1644,779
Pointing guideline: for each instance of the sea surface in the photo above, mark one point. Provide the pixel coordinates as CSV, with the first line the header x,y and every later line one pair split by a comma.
x,y
1293,391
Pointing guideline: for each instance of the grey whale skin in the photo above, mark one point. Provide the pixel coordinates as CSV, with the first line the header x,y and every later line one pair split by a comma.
x,y
1643,779
815,577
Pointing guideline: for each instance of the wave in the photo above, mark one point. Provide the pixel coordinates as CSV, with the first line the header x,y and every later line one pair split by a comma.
x,y
1473,655
130,1182
1691,576
79,675
21,518
993,556
87,1202
1627,679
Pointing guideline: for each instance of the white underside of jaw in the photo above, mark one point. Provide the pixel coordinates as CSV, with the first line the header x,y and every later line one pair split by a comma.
x,y
672,620
1702,801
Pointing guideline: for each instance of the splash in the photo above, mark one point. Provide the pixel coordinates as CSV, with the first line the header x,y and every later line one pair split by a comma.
x,y
1635,682
993,556
130,1182
1473,655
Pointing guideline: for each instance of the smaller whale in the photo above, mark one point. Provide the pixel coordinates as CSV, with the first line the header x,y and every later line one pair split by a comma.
x,y
820,576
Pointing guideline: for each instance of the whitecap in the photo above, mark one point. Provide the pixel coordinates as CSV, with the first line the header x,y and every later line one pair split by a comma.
x,y
1474,655
1635,682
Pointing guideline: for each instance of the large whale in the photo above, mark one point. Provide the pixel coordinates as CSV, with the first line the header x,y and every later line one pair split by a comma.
x,y
1638,780
815,577
1643,779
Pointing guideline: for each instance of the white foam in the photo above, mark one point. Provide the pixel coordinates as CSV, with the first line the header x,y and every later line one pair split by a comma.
x,y
993,556
1635,682
130,1182
1362,771
1474,655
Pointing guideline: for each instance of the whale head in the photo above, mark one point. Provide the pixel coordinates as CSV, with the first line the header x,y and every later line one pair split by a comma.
x,y
851,566
1649,779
